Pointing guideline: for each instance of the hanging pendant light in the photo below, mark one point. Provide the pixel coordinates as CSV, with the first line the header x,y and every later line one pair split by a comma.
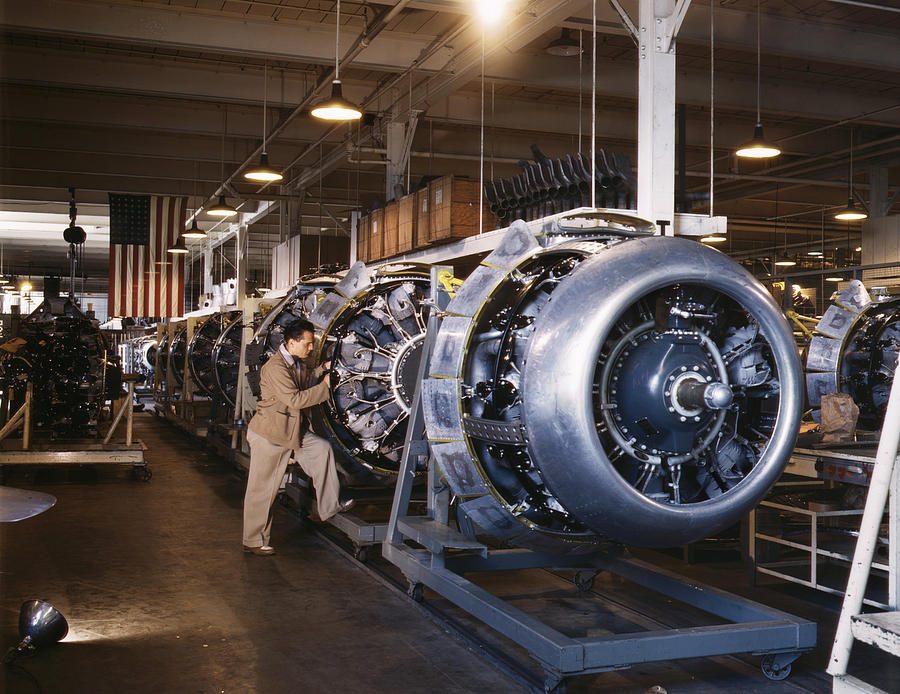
x,y
714,238
337,108
565,46
758,148
179,248
195,232
785,261
851,212
221,209
263,173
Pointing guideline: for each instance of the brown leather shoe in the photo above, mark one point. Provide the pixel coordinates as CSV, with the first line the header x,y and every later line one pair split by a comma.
x,y
346,505
264,551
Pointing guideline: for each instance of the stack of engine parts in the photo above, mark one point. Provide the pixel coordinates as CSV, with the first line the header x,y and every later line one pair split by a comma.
x,y
548,186
63,354
854,351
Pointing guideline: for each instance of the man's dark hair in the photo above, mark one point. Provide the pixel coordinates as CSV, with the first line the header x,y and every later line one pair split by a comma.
x,y
295,329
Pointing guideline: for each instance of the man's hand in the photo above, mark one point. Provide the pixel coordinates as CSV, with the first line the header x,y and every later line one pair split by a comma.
x,y
326,365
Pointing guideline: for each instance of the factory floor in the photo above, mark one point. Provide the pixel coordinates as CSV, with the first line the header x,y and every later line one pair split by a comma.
x,y
160,599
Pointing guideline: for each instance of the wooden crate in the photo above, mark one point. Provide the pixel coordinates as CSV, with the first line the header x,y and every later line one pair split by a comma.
x,y
423,219
454,209
391,237
408,221
362,239
376,236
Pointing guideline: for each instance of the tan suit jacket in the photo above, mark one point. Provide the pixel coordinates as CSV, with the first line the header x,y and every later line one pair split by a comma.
x,y
280,415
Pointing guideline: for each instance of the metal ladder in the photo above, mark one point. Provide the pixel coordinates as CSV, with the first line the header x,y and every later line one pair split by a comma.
x,y
881,629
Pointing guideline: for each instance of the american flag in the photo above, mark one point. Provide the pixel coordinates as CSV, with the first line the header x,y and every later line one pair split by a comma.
x,y
144,280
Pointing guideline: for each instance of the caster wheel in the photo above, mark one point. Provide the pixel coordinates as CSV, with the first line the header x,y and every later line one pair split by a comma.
x,y
773,671
584,580
416,591
554,684
361,553
143,474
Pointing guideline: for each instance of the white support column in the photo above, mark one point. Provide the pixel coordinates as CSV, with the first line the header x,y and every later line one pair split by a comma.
x,y
241,238
399,143
354,230
207,267
657,27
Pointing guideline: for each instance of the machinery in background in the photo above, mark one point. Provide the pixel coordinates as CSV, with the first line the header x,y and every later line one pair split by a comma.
x,y
138,356
855,351
202,352
61,351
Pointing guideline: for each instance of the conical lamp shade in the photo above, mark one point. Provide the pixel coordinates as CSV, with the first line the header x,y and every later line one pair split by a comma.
x,y
41,623
263,173
564,46
194,232
851,212
785,261
179,248
337,108
221,209
758,148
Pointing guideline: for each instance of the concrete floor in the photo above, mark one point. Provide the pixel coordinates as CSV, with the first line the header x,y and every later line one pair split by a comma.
x,y
160,598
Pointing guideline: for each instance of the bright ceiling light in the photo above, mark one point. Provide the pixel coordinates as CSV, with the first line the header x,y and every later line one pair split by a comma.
x,y
26,287
490,11
714,238
758,148
194,232
851,212
179,248
221,209
337,108
785,261
814,253
834,279
263,173
858,249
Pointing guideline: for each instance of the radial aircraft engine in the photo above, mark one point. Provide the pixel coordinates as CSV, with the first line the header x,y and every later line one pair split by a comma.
x,y
855,351
596,383
373,330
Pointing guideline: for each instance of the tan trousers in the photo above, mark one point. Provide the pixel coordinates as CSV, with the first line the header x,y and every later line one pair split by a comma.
x,y
268,462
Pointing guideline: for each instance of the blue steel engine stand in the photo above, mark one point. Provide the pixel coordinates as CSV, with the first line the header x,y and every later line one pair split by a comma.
x,y
447,555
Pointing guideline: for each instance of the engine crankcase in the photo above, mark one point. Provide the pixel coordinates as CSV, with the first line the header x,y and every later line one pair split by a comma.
x,y
641,389
855,351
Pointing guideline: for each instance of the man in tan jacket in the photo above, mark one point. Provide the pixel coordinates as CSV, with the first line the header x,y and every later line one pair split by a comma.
x,y
279,428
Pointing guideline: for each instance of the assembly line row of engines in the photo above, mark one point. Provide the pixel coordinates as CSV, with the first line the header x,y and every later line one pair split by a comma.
x,y
589,383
